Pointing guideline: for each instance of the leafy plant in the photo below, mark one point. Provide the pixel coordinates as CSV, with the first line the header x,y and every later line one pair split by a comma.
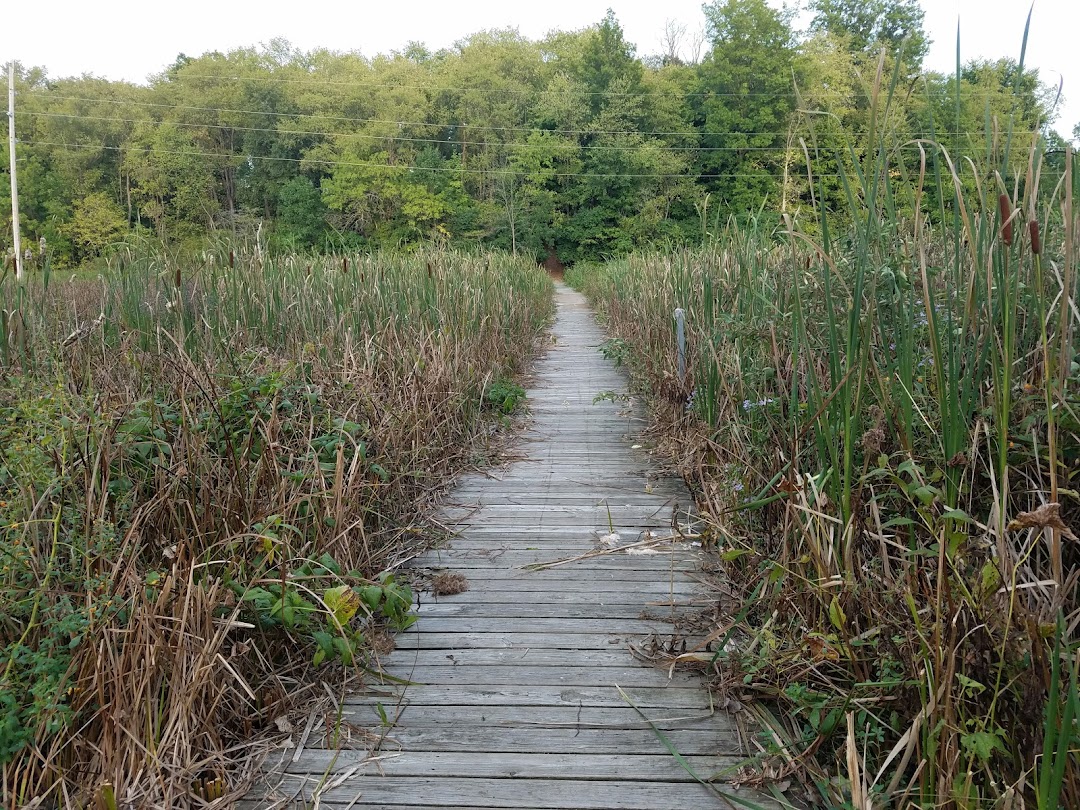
x,y
504,395
333,617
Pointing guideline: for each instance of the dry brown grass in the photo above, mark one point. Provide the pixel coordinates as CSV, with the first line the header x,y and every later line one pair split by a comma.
x,y
171,461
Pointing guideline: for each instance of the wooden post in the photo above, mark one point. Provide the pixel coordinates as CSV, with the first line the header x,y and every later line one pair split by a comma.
x,y
680,337
20,271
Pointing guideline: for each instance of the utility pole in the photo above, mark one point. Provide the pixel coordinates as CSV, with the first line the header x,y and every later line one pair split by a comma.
x,y
20,272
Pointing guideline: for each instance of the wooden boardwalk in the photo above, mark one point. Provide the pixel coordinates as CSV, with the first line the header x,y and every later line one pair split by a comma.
x,y
514,700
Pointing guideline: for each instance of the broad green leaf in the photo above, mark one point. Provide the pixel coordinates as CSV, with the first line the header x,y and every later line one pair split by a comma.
x,y
982,744
836,614
371,595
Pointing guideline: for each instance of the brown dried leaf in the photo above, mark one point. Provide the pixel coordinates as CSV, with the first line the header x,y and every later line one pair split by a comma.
x,y
1046,516
958,460
821,650
448,584
788,486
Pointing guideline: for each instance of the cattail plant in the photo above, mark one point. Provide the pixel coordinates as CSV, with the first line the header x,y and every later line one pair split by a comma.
x,y
877,422
197,437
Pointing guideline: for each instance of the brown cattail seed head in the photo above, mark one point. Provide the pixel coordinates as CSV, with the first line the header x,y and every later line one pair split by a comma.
x,y
1036,242
873,440
1006,222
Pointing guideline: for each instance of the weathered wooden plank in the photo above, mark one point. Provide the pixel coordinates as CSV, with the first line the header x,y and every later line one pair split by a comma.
x,y
645,504
695,742
659,492
523,495
515,525
408,715
582,533
576,542
533,794
540,554
639,487
575,582
513,516
633,768
483,568
621,568
546,483
629,675
610,477
629,577
535,557
542,640
540,606
653,597
516,656
480,558
586,515
497,485
631,609
495,545
489,496
547,625
668,697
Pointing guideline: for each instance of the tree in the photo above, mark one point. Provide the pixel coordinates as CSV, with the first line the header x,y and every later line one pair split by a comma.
x,y
301,220
743,102
608,63
172,182
869,25
97,222
994,93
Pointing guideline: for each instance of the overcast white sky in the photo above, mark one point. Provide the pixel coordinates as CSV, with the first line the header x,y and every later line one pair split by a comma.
x,y
122,39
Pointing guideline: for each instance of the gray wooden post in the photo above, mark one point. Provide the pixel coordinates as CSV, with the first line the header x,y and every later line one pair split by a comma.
x,y
20,268
680,338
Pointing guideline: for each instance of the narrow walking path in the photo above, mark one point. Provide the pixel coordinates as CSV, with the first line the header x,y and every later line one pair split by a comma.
x,y
515,699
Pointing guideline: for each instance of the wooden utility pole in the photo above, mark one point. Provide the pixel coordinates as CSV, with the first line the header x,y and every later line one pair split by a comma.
x,y
20,272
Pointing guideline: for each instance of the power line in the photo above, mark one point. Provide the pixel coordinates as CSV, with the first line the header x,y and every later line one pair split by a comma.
x,y
347,119
411,168
441,141
364,84
400,124
509,145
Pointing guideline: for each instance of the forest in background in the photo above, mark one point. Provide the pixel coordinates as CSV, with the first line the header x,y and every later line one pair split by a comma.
x,y
572,143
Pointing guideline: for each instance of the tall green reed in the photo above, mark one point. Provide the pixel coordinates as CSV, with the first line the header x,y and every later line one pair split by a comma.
x,y
878,409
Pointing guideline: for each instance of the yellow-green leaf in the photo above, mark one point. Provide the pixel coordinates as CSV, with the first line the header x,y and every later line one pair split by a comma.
x,y
836,614
342,602
989,579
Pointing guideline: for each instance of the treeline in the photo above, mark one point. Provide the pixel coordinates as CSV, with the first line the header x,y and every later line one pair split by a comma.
x,y
572,143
